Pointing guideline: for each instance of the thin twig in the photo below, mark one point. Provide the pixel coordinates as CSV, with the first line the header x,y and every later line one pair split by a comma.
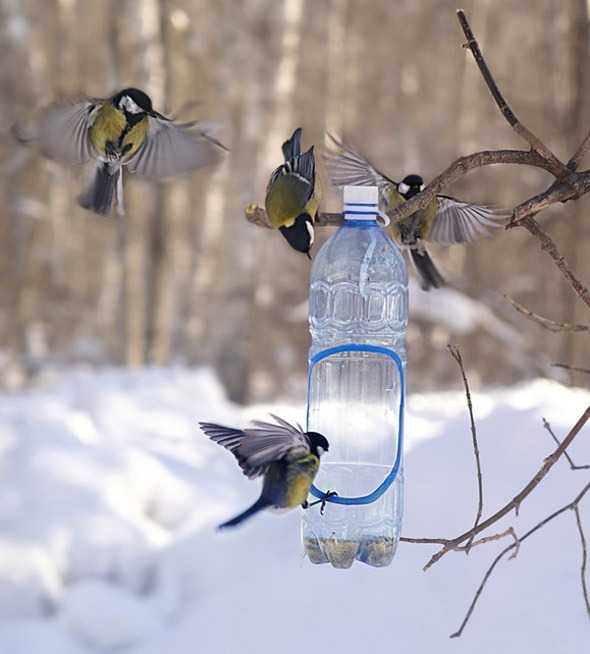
x,y
515,502
530,532
572,368
573,466
558,168
584,558
546,323
489,539
456,354
578,184
547,245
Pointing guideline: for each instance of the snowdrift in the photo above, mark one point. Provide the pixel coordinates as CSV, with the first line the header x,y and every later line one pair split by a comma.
x,y
111,494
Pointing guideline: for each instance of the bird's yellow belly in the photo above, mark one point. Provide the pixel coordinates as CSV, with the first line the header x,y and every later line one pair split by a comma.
x,y
282,207
298,490
134,138
109,128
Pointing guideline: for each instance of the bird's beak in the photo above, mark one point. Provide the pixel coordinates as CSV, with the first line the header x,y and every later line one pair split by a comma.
x,y
157,114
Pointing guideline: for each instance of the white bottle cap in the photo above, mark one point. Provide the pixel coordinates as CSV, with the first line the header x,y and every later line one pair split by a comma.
x,y
361,202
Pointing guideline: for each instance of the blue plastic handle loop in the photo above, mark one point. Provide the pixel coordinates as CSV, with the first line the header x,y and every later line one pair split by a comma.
x,y
392,474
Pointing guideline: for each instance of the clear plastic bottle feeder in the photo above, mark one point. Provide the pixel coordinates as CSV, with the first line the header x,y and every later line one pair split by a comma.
x,y
358,313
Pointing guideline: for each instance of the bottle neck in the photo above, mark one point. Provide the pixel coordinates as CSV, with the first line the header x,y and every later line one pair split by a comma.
x,y
359,214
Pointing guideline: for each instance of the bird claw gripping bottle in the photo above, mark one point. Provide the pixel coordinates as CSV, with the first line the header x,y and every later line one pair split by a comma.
x,y
358,313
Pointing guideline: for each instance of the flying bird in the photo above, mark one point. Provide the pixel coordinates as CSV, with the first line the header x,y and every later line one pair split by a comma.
x,y
287,458
445,220
121,131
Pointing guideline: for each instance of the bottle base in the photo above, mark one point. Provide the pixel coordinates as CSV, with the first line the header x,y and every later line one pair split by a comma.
x,y
377,551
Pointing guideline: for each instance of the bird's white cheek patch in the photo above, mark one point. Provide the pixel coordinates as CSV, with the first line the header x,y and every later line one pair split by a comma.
x,y
320,450
403,188
421,187
132,107
311,232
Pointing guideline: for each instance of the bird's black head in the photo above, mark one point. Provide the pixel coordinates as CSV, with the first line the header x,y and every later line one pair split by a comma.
x,y
318,443
300,235
410,186
133,101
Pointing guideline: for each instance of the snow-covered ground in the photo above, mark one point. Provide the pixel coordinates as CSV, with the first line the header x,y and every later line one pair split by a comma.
x,y
110,495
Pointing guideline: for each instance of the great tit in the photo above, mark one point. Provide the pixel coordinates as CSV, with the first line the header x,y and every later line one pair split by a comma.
x,y
293,195
123,130
445,220
287,457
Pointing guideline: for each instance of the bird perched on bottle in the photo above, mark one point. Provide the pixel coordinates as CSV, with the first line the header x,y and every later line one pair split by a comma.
x,y
293,195
445,220
123,130
286,456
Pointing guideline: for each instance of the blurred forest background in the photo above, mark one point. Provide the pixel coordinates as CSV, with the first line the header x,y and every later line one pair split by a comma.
x,y
185,279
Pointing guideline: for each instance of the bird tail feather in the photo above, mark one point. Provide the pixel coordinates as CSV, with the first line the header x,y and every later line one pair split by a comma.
x,y
292,147
248,513
104,189
430,277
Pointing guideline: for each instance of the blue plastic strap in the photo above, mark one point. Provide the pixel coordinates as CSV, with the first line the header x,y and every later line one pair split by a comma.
x,y
391,476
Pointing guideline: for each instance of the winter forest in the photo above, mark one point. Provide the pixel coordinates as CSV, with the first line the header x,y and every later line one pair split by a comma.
x,y
186,279
118,334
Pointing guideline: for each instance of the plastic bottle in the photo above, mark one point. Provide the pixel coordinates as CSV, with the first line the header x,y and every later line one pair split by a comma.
x,y
358,311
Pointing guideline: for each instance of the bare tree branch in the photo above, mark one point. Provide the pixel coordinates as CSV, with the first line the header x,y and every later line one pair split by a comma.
x,y
572,505
547,245
546,323
460,167
573,466
578,184
584,557
514,503
456,354
489,539
558,168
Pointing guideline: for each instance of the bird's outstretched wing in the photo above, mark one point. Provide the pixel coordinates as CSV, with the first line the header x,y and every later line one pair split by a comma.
x,y
174,148
462,222
257,447
63,131
347,167
266,442
231,439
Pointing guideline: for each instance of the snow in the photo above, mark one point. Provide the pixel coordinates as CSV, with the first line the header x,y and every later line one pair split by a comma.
x,y
111,495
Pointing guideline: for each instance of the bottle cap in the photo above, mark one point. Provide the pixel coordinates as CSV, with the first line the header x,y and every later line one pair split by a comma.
x,y
361,202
